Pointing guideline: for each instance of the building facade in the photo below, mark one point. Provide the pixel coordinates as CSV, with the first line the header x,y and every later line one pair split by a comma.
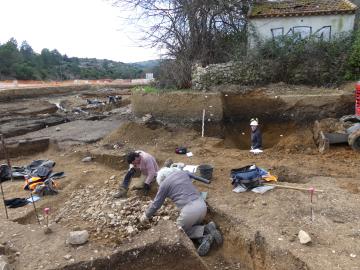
x,y
319,18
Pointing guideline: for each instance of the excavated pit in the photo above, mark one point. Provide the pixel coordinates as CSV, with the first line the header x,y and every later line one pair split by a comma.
x,y
237,134
245,247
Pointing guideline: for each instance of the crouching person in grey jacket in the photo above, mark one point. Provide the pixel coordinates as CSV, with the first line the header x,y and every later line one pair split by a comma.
x,y
177,185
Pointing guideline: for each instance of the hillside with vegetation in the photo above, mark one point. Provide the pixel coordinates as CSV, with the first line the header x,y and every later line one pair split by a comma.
x,y
23,63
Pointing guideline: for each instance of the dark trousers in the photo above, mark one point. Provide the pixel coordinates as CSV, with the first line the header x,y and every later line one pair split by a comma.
x,y
127,179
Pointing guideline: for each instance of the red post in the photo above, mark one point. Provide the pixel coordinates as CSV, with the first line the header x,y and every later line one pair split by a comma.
x,y
357,99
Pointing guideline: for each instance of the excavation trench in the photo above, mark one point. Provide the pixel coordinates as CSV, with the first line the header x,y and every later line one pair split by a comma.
x,y
237,134
244,248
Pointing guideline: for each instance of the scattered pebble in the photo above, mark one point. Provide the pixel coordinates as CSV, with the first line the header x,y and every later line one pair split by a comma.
x,y
87,159
111,217
67,257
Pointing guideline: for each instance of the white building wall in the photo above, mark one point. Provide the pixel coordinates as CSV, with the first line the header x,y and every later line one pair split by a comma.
x,y
149,76
324,26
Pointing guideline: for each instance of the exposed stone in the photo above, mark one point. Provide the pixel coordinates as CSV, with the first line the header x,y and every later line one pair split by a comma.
x,y
234,72
120,216
304,237
87,159
67,257
112,177
130,230
78,237
4,264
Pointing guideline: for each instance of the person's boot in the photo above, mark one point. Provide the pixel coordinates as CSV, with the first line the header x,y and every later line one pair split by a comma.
x,y
205,245
146,189
121,193
210,228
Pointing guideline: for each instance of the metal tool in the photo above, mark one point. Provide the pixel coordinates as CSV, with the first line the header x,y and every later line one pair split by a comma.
x,y
312,191
6,156
1,187
3,197
33,203
199,178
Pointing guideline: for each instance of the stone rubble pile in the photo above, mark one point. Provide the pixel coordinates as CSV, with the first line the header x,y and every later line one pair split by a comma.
x,y
243,72
109,217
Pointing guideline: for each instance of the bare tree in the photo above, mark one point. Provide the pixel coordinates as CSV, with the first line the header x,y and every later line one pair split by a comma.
x,y
189,31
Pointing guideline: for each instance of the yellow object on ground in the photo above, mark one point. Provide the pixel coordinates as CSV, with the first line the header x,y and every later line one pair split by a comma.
x,y
30,184
270,178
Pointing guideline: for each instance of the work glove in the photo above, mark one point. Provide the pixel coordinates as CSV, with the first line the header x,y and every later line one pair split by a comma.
x,y
144,219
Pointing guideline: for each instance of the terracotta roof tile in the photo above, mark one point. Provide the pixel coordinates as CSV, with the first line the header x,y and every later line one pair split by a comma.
x,y
287,8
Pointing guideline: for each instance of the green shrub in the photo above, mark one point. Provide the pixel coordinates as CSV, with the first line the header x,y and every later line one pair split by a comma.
x,y
146,89
353,68
304,61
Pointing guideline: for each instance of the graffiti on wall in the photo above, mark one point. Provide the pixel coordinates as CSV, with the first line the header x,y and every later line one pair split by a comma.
x,y
323,33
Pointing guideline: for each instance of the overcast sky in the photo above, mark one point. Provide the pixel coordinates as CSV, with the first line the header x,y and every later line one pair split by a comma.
x,y
81,28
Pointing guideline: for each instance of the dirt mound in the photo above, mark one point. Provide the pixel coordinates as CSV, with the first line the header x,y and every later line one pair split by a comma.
x,y
135,134
331,125
289,175
299,141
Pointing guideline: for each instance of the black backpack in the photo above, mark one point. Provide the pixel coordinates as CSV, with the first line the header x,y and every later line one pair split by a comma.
x,y
4,173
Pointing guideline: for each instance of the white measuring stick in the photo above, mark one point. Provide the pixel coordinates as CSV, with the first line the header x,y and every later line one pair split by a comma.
x,y
203,124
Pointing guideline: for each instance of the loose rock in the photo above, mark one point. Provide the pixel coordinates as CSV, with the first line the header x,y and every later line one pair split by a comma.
x,y
87,159
67,257
78,237
4,265
304,237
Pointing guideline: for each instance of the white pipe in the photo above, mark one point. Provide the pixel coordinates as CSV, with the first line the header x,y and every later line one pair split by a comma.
x,y
203,124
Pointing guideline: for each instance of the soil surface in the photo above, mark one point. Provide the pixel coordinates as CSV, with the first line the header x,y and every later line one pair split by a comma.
x,y
260,230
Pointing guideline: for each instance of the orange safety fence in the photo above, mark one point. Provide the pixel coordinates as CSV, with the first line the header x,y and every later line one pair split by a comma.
x,y
32,83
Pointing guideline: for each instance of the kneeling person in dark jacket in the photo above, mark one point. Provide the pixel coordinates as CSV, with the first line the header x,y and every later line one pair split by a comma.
x,y
177,185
